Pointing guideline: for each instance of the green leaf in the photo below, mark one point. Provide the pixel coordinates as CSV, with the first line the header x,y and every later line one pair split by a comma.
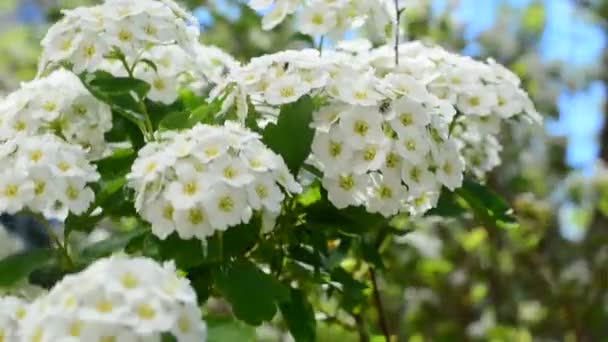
x,y
488,206
291,137
186,253
108,246
204,113
300,317
254,295
107,84
234,242
354,292
224,330
123,94
175,121
19,266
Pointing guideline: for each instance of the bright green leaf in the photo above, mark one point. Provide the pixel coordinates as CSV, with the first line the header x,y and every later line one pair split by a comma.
x,y
18,266
291,137
299,317
254,295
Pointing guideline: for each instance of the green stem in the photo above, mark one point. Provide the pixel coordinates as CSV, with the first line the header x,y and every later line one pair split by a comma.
x,y
379,306
61,247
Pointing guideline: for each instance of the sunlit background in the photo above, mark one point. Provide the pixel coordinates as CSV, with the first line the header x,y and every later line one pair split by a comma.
x,y
558,48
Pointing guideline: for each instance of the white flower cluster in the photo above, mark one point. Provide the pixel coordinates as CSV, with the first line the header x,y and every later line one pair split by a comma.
x,y
46,175
207,179
86,37
328,17
57,104
116,299
380,142
173,69
12,312
484,94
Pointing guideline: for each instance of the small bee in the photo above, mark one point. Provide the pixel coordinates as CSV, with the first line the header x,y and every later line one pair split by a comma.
x,y
385,106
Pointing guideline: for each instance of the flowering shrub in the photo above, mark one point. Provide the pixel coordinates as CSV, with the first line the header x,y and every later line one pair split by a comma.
x,y
252,182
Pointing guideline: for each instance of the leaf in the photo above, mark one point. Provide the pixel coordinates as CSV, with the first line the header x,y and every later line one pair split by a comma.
x,y
488,206
254,295
354,292
223,330
123,94
110,245
186,253
204,113
107,84
19,266
175,121
300,317
291,137
234,242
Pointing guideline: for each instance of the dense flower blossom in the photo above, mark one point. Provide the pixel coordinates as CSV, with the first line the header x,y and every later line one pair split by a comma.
x,y
329,17
98,37
381,142
207,179
45,175
12,312
117,299
57,104
485,95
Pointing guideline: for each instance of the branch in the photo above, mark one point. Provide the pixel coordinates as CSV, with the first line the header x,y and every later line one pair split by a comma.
x,y
398,12
379,307
363,335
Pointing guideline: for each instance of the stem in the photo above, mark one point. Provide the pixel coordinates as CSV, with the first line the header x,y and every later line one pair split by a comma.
x,y
60,247
398,12
379,307
363,335
320,48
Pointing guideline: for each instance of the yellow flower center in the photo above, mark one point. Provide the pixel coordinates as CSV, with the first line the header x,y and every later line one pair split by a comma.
x,y
346,182
226,204
361,127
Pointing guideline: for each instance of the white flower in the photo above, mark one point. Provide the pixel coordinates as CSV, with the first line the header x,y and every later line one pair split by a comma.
x,y
332,150
116,299
12,312
449,166
46,175
409,113
285,89
361,125
386,196
318,19
57,104
414,144
346,189
206,179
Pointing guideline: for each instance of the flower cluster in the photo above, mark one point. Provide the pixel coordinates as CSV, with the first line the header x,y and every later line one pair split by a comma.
x,y
171,68
12,312
484,95
206,179
381,142
45,175
57,104
117,299
328,17
123,33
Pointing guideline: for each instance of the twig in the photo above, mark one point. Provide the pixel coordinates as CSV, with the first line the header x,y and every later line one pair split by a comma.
x,y
320,48
60,246
398,12
379,307
363,335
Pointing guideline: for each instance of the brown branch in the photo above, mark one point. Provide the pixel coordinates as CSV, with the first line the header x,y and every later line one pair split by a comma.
x,y
379,306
